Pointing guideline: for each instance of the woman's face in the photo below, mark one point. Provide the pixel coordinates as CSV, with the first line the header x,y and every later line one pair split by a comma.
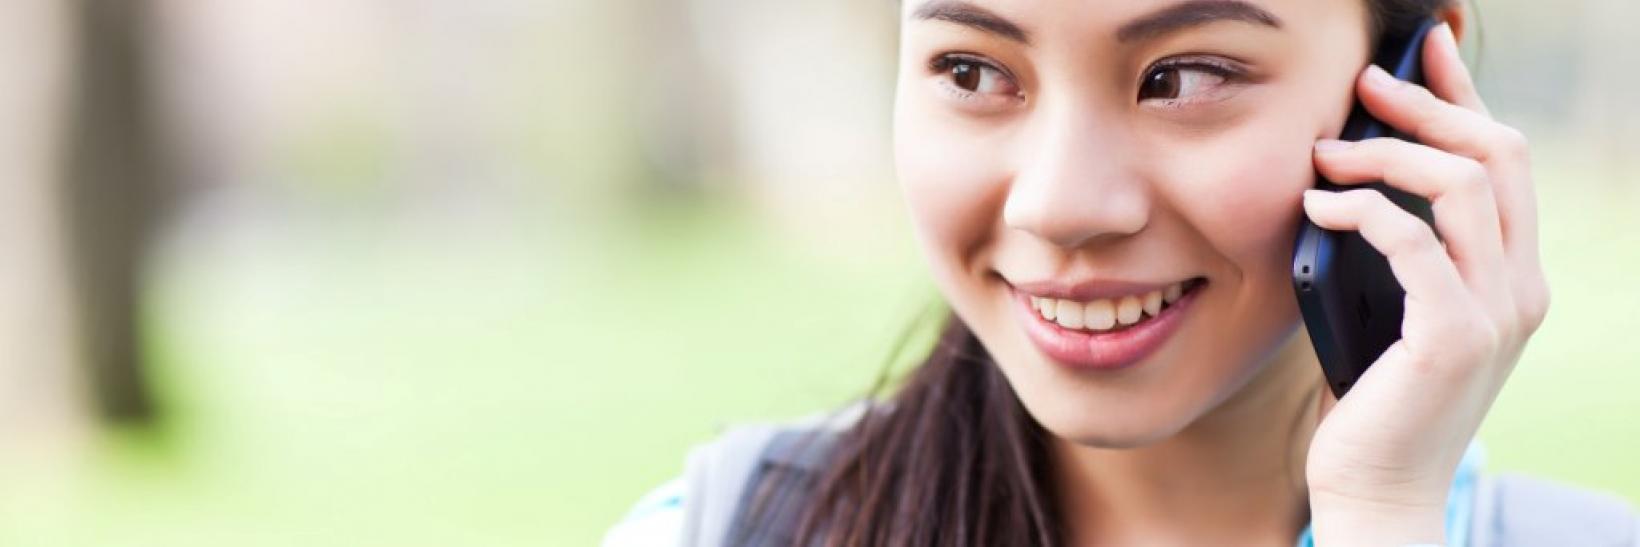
x,y
1067,163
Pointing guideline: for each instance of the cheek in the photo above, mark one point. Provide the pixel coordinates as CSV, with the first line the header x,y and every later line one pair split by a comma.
x,y
953,184
1246,200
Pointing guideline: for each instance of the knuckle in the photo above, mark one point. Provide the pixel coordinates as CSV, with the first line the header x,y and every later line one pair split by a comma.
x,y
1402,240
1368,197
1471,339
1511,143
1488,336
1430,127
1427,358
1534,305
1361,199
1433,109
1405,233
1417,92
1471,176
1381,144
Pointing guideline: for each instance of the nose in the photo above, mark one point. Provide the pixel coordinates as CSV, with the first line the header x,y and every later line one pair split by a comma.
x,y
1075,184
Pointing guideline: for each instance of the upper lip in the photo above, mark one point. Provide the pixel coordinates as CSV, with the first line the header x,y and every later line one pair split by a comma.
x,y
1092,289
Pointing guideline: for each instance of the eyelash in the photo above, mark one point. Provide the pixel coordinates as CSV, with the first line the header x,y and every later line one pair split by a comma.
x,y
1230,71
942,64
1214,66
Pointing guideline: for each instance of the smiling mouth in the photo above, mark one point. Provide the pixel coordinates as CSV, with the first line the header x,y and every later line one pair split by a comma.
x,y
1114,314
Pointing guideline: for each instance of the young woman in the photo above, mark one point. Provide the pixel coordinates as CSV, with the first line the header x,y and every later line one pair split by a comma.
x,y
1107,195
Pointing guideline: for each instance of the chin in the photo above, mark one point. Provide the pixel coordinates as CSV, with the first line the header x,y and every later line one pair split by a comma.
x,y
1134,411
1112,431
1108,416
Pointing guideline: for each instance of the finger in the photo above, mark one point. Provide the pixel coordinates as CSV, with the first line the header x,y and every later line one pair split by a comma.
x,y
1445,72
1429,119
1457,187
1432,121
1439,312
1449,79
1419,262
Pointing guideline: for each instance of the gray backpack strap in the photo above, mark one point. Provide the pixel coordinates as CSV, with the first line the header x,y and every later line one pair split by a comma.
x,y
773,499
723,479
1519,511
714,476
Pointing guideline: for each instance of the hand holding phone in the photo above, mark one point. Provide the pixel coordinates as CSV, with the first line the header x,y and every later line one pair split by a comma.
x,y
1349,298
1380,462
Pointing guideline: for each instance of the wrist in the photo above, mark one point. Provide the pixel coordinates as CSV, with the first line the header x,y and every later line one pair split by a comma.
x,y
1337,522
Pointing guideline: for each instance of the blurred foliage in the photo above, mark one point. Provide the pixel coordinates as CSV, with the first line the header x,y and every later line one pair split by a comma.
x,y
370,390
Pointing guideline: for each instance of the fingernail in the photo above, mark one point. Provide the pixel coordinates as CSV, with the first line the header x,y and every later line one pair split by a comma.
x,y
1314,193
1450,37
1332,145
1378,78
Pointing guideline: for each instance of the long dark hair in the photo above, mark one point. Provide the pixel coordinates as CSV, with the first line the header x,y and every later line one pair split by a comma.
x,y
952,458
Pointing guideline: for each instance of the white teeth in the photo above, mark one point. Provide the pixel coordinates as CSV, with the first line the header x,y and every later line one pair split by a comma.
x,y
1106,313
1153,303
1099,315
1069,314
1173,292
1128,310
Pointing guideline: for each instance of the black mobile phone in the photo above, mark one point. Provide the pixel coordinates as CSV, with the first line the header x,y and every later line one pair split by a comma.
x,y
1351,303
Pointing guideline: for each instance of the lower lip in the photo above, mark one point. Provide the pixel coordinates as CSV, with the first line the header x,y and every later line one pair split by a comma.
x,y
1083,350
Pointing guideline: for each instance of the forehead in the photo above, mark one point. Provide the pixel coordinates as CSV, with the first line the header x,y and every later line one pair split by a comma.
x,y
1087,18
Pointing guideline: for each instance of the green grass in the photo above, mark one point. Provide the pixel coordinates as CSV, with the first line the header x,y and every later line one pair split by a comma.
x,y
344,384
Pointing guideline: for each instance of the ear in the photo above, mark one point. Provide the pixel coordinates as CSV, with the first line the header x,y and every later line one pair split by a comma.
x,y
1455,14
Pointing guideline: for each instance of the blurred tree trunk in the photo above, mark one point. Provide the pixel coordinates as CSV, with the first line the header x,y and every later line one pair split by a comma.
x,y
40,397
110,198
676,103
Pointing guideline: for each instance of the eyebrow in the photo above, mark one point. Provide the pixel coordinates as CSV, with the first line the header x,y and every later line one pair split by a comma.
x,y
969,15
1193,13
1180,16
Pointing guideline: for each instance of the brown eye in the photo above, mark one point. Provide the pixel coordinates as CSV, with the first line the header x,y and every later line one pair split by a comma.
x,y
966,75
974,76
1160,84
1183,83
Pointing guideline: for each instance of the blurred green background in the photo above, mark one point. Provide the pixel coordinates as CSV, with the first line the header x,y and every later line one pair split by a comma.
x,y
479,273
